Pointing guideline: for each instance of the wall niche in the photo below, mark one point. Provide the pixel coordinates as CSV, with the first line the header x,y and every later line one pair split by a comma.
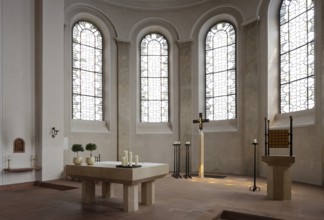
x,y
19,145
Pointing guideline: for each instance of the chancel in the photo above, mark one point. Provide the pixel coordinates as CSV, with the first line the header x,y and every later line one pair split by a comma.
x,y
181,86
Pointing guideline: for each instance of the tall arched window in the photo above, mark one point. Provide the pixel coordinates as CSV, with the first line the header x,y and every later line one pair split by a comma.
x,y
297,55
87,77
154,79
220,72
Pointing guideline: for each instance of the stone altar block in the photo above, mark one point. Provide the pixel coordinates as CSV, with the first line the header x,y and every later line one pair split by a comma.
x,y
279,177
131,178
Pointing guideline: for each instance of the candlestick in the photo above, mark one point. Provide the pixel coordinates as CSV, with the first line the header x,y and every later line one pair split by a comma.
x,y
8,162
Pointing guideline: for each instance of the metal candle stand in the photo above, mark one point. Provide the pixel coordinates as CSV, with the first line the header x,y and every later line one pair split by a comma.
x,y
176,166
187,175
254,187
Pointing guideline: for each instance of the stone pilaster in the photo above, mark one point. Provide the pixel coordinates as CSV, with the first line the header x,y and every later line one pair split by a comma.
x,y
250,82
185,106
123,97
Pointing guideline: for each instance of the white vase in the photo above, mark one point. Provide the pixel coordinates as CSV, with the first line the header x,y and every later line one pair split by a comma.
x,y
77,160
90,160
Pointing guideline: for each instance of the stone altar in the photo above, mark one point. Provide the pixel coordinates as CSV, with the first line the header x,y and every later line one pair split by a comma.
x,y
131,178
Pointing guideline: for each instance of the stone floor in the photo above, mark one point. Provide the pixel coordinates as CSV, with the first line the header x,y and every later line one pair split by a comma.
x,y
175,199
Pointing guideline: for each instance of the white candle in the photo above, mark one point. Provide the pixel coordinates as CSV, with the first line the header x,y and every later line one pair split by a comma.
x,y
187,142
126,156
136,160
255,141
130,158
124,163
201,168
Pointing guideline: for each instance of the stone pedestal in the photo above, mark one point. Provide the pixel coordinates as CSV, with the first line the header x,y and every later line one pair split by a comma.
x,y
107,190
130,195
279,177
148,198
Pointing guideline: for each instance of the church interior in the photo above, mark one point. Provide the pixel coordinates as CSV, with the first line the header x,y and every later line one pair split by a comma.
x,y
145,75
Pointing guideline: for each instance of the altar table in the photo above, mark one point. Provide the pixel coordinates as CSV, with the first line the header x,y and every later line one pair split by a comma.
x,y
131,178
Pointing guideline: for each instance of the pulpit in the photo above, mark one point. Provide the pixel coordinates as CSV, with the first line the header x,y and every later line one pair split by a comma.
x,y
278,167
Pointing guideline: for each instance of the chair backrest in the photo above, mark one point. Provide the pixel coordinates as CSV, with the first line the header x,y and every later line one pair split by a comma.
x,y
97,158
278,138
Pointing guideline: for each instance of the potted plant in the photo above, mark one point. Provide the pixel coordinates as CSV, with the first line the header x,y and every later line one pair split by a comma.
x,y
90,147
77,148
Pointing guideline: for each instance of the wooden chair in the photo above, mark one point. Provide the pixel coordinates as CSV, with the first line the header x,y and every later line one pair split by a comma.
x,y
97,158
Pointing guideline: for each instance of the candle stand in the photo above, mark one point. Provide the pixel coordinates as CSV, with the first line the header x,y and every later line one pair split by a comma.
x,y
176,165
8,163
254,187
187,175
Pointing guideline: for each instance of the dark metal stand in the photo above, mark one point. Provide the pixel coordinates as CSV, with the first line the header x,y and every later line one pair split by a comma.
x,y
187,175
254,187
176,166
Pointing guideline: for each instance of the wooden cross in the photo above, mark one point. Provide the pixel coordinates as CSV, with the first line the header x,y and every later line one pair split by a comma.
x,y
200,120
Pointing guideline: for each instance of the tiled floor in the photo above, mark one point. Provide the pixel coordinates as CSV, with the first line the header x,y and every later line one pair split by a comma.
x,y
175,199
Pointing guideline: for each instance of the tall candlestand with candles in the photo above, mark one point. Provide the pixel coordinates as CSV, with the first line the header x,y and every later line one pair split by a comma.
x,y
176,165
254,187
187,175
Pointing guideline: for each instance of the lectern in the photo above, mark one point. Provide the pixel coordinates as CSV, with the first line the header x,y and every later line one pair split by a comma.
x,y
278,166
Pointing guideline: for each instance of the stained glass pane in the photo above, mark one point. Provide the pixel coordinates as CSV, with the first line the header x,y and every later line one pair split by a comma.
x,y
154,78
297,55
220,70
87,72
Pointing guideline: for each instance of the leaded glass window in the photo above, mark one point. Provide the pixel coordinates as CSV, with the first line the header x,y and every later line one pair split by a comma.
x,y
220,72
297,55
87,72
154,67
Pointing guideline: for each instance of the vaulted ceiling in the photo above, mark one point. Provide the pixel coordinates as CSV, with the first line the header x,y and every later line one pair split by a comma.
x,y
155,4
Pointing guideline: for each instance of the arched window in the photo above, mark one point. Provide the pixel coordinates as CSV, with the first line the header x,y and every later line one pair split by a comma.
x,y
220,72
297,55
87,77
154,79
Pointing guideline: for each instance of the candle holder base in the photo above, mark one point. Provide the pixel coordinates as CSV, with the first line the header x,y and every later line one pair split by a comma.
x,y
254,188
187,176
176,176
133,166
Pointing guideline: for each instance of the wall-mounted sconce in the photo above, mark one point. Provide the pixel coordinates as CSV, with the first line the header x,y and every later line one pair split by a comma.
x,y
54,132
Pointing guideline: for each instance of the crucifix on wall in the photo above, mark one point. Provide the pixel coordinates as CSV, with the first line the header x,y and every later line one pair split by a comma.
x,y
200,122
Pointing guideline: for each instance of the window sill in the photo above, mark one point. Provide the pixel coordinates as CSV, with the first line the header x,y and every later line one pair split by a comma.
x,y
300,119
221,126
84,126
154,128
